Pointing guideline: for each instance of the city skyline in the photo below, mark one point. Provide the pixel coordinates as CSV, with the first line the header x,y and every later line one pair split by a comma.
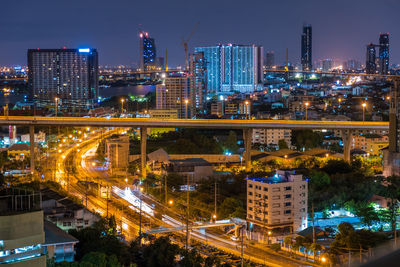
x,y
114,30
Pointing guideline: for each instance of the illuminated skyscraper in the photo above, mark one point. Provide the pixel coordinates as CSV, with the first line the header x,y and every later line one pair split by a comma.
x,y
71,75
198,71
306,48
384,53
370,65
233,68
148,53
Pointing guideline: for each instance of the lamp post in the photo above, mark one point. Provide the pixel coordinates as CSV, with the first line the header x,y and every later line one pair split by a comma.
x,y
186,107
140,215
269,234
247,107
306,104
122,105
363,107
56,106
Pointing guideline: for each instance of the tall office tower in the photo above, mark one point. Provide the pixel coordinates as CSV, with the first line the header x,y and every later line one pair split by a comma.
x,y
233,68
176,94
306,48
270,59
327,64
198,71
384,53
370,64
391,155
148,53
71,75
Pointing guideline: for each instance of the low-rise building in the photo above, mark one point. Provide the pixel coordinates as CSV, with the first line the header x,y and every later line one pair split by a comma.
x,y
65,213
279,201
18,151
39,137
371,143
195,168
58,244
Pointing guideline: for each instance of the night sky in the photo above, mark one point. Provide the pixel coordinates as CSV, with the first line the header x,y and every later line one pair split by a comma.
x,y
341,28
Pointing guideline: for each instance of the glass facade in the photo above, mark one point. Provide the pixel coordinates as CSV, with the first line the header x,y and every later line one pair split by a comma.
x,y
370,65
306,48
233,68
384,53
148,55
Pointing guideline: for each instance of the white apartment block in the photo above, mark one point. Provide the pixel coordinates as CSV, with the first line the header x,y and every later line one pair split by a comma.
x,y
271,136
279,201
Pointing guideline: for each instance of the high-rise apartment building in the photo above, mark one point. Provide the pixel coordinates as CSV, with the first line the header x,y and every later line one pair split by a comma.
x,y
306,48
270,59
71,75
233,68
383,53
278,201
198,71
370,64
271,136
176,93
148,54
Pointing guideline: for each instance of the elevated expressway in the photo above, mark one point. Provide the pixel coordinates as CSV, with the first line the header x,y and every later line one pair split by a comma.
x,y
347,127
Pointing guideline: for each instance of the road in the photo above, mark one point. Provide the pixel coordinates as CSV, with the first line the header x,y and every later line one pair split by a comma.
x,y
125,203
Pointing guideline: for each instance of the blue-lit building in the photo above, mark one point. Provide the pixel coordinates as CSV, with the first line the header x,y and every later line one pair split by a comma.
x,y
148,54
70,75
306,48
233,68
384,53
370,64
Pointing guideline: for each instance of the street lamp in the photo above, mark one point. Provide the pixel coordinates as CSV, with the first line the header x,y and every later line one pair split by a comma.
x,y
171,202
247,105
140,215
186,106
363,107
306,104
269,234
56,99
122,105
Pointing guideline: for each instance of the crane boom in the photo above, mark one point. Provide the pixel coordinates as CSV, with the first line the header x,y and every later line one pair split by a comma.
x,y
185,44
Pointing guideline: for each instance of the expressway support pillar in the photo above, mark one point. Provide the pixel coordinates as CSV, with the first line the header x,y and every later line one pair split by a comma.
x,y
347,137
247,135
143,154
32,149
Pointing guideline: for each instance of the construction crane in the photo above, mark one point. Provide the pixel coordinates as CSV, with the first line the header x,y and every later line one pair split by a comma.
x,y
185,44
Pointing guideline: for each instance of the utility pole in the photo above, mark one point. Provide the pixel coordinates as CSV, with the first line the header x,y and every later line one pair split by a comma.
x,y
187,213
215,200
107,201
313,227
241,249
166,189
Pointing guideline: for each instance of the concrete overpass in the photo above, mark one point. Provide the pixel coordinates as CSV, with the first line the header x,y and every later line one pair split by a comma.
x,y
347,127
